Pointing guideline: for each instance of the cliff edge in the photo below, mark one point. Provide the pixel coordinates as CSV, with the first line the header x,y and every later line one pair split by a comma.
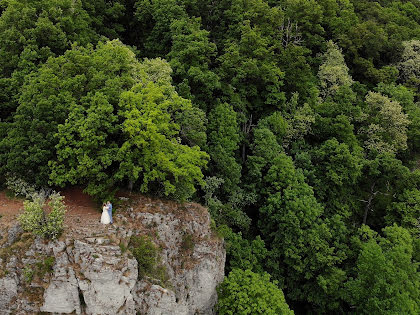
x,y
159,257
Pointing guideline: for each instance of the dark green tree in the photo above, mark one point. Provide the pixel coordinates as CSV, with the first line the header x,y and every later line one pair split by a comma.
x,y
386,279
74,81
300,255
223,141
190,57
32,31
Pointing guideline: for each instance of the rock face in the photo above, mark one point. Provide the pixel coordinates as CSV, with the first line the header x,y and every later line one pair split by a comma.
x,y
93,273
195,263
8,290
110,278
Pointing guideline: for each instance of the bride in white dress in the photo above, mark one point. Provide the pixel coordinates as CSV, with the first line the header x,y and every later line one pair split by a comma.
x,y
105,219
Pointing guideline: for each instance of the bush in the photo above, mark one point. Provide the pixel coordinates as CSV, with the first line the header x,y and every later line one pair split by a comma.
x,y
21,188
187,242
148,259
245,292
37,220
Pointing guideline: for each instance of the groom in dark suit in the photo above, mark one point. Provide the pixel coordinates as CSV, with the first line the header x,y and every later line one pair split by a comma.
x,y
109,204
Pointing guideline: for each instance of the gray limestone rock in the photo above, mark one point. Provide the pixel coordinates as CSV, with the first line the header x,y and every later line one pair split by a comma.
x,y
155,300
62,295
13,234
8,290
108,280
194,288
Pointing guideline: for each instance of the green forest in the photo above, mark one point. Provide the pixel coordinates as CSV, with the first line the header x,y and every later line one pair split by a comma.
x,y
296,122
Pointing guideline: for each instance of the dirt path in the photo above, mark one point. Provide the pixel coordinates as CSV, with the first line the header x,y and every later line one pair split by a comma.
x,y
80,208
9,209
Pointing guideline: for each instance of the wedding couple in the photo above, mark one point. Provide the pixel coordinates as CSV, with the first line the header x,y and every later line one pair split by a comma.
x,y
106,217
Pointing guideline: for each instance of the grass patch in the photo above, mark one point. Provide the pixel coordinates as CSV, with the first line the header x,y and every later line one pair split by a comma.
x,y
187,242
18,248
149,263
45,266
123,248
28,274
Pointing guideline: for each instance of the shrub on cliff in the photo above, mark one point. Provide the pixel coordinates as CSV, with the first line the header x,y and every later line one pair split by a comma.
x,y
43,218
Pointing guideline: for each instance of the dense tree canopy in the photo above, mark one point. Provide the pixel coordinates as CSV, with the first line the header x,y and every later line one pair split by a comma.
x,y
296,122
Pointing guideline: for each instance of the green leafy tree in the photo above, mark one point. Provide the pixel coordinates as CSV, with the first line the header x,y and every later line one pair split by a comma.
x,y
63,84
152,151
128,137
333,72
32,31
242,253
152,25
290,221
223,141
190,57
337,170
244,292
106,17
387,125
386,279
409,65
405,97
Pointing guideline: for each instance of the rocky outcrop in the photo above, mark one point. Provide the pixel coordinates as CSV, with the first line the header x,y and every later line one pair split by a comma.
x,y
108,278
62,294
94,273
194,267
8,291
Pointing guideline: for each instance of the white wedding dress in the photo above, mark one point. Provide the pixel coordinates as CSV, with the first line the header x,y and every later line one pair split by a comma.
x,y
105,219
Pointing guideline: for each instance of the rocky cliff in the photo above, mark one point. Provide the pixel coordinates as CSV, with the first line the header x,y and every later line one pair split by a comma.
x,y
96,269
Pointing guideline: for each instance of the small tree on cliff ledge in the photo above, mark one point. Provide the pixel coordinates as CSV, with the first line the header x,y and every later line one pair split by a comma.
x,y
39,221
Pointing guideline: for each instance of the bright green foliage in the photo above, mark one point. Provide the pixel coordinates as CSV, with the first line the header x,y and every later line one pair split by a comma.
x,y
38,220
223,137
152,151
244,292
386,277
